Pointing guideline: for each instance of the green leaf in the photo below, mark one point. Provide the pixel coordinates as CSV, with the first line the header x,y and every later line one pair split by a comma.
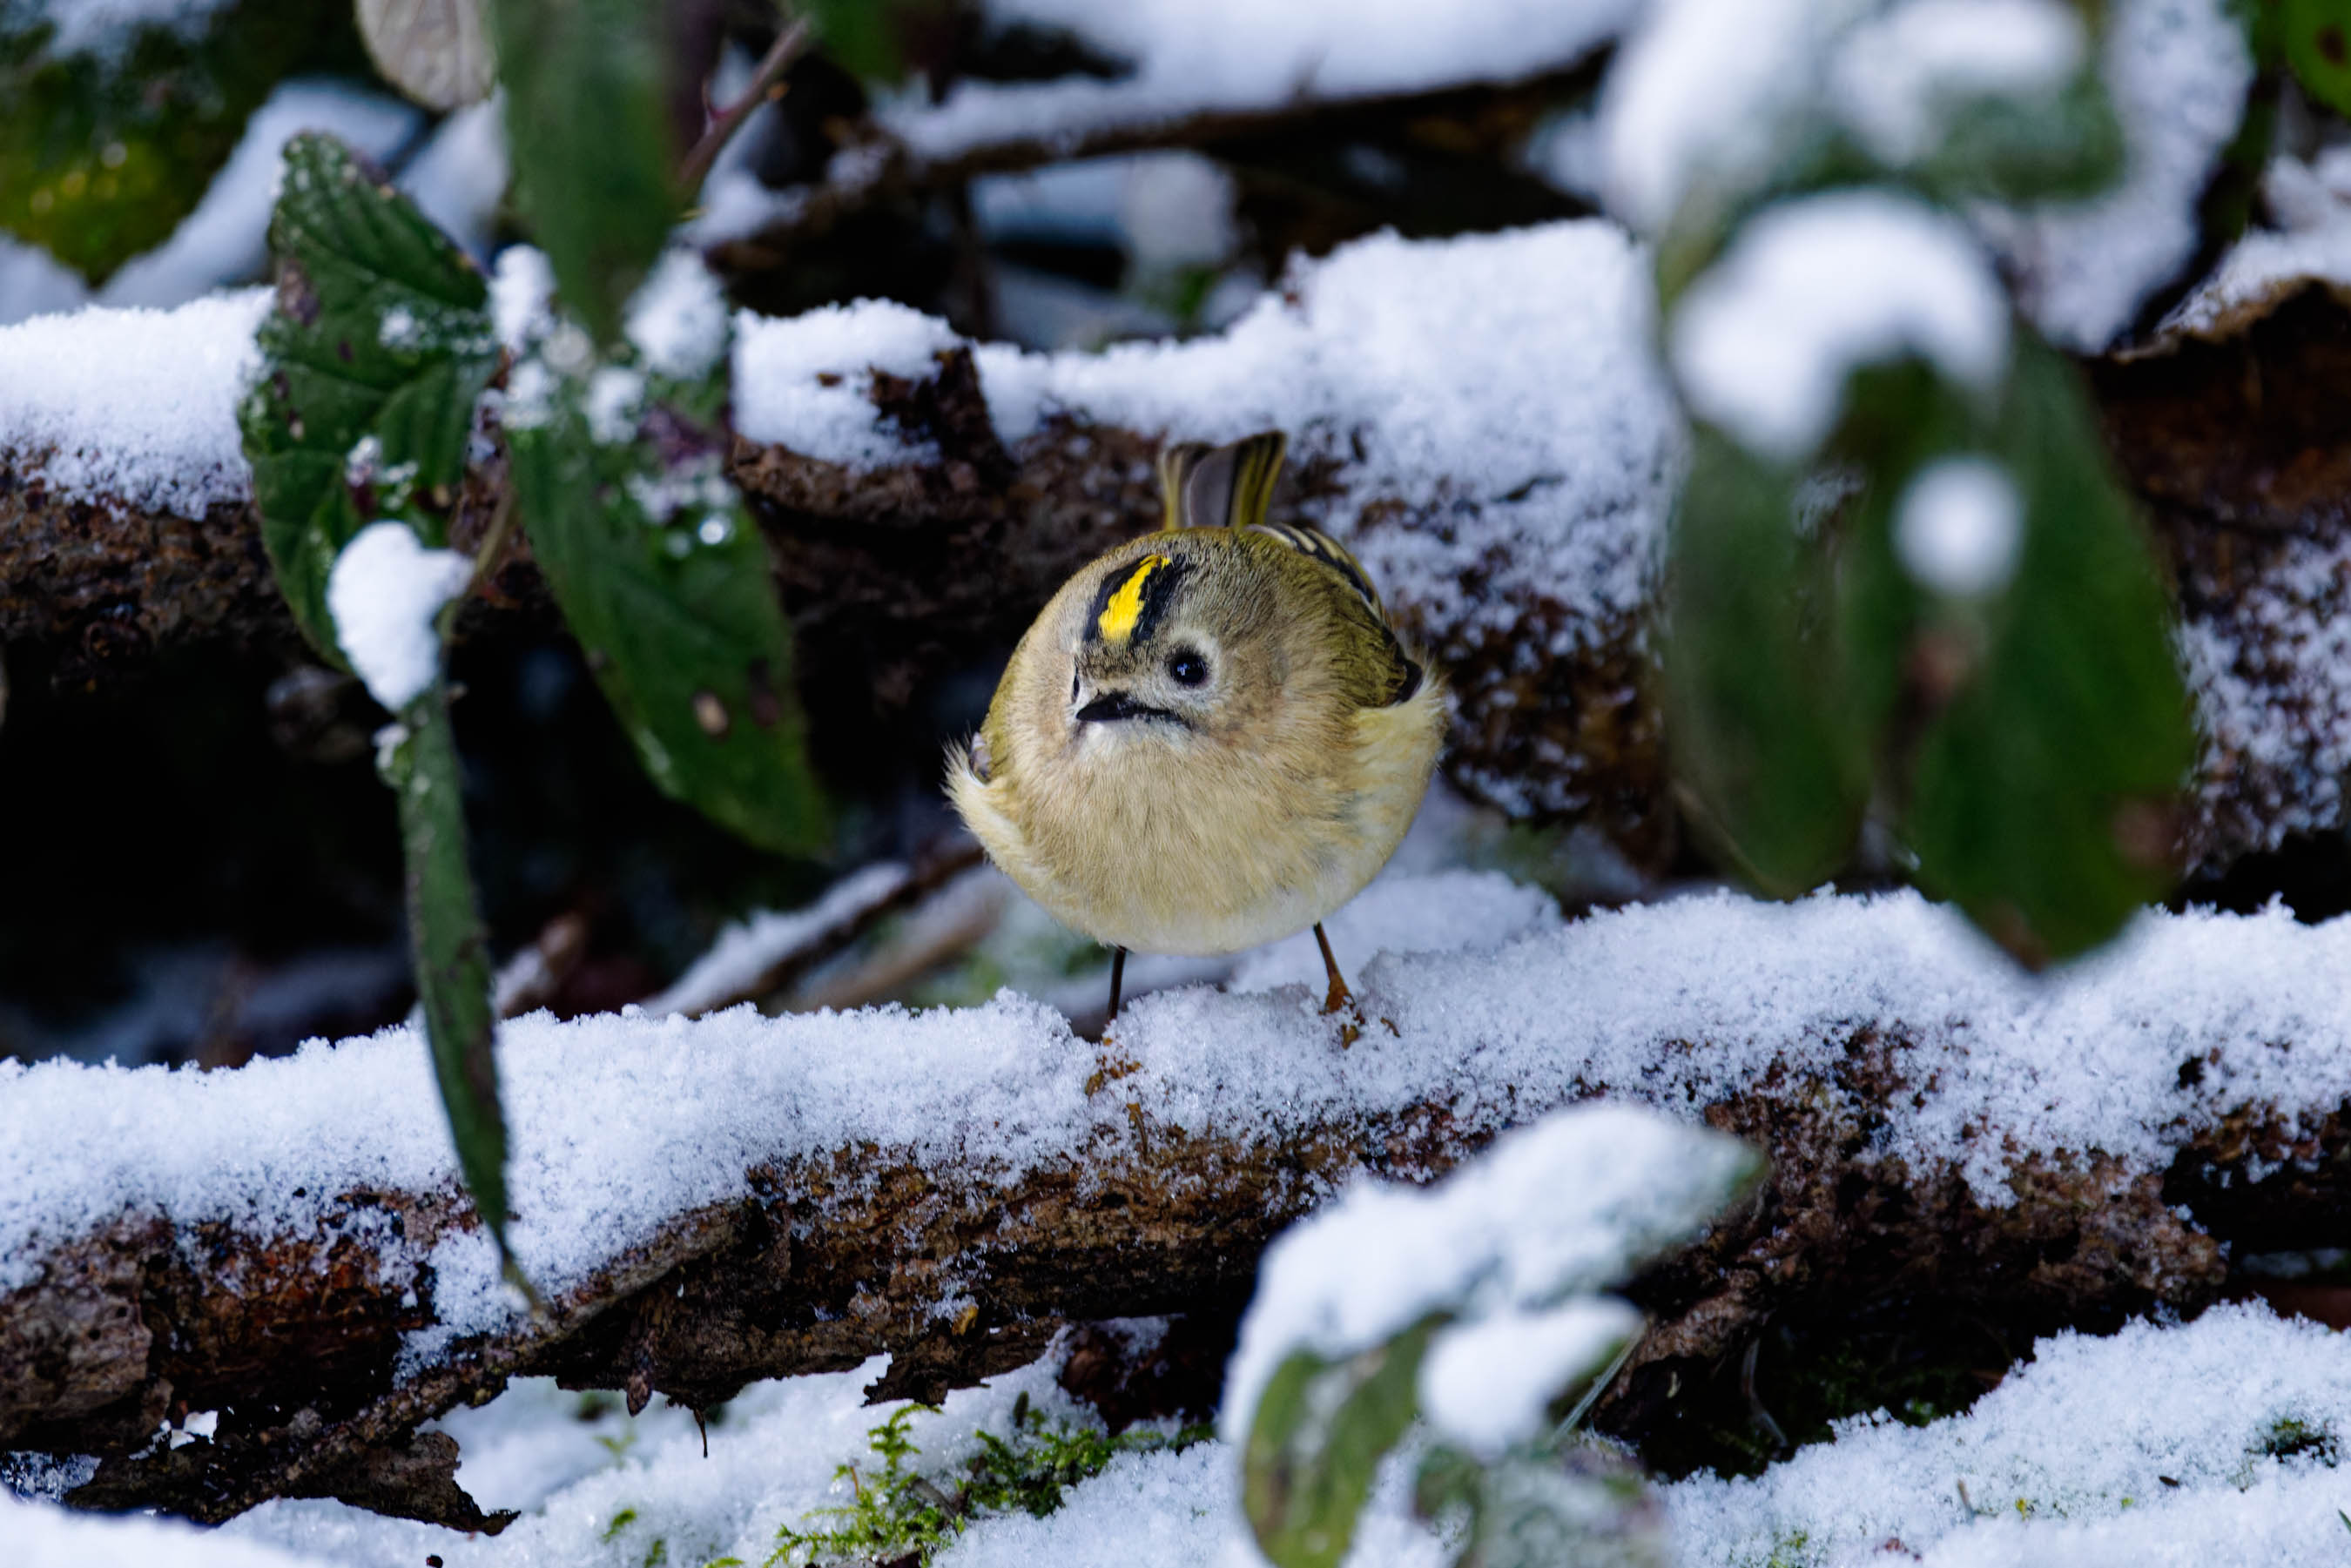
x,y
372,360
1545,1504
593,149
1321,1429
1766,742
103,152
2316,35
665,580
452,954
2066,145
2046,794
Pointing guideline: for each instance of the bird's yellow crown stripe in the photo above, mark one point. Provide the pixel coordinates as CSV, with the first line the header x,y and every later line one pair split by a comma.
x,y
1118,618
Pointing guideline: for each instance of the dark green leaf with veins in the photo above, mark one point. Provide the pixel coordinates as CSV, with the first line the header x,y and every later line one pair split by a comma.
x,y
372,360
452,954
665,580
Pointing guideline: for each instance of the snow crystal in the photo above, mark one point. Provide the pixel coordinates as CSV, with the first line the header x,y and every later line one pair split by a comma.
x,y
1959,527
1812,290
1563,1207
226,238
1899,74
746,951
615,396
2159,1445
1192,57
385,592
1489,1383
2178,71
136,404
677,318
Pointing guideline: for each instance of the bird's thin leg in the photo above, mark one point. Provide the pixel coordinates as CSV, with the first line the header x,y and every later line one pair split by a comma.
x,y
1117,979
1340,997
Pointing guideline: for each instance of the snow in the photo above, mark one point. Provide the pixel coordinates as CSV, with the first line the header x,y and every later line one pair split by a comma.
x,y
1706,98
1489,1383
385,592
105,27
226,238
1512,370
1193,56
1812,290
2178,71
746,950
1959,527
459,176
1552,1211
1901,73
139,405
2147,1448
2311,206
42,1535
677,318
621,1120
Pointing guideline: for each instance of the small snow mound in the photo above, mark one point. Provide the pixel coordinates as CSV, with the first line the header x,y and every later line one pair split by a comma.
x,y
1814,289
385,591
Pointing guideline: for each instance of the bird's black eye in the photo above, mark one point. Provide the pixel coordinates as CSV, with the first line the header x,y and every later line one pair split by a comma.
x,y
1188,668
1074,683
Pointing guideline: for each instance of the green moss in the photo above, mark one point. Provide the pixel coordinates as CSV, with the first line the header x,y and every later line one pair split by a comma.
x,y
621,1522
896,1512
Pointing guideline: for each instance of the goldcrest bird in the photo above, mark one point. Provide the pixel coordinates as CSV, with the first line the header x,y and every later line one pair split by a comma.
x,y
1211,738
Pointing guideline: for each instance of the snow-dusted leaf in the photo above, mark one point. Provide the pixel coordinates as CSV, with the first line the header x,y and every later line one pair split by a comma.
x,y
436,51
1767,742
378,347
619,465
450,949
2046,790
1322,1430
589,135
1332,1362
1544,1505
113,122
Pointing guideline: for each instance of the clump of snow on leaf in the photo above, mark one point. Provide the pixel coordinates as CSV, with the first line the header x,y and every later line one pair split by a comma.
x,y
1489,1383
1814,289
386,592
1959,526
1900,75
1552,1211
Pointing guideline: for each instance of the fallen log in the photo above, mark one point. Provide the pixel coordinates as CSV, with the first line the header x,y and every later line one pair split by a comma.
x,y
1479,419
708,1203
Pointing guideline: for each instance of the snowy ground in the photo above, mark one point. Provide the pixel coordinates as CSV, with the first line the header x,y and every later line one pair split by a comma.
x,y
2213,1444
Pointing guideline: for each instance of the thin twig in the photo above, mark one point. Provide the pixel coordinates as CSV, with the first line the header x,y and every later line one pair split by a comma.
x,y
789,45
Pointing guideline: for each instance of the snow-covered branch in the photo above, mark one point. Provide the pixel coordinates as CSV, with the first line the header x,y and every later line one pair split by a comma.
x,y
711,1202
1481,419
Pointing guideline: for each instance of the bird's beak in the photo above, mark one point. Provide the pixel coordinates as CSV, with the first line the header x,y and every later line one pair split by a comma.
x,y
1109,705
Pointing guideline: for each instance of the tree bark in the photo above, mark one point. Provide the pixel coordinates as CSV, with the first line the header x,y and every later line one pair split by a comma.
x,y
899,576
294,1337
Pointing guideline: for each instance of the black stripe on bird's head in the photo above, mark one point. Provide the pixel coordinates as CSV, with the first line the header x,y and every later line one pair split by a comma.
x,y
1135,599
